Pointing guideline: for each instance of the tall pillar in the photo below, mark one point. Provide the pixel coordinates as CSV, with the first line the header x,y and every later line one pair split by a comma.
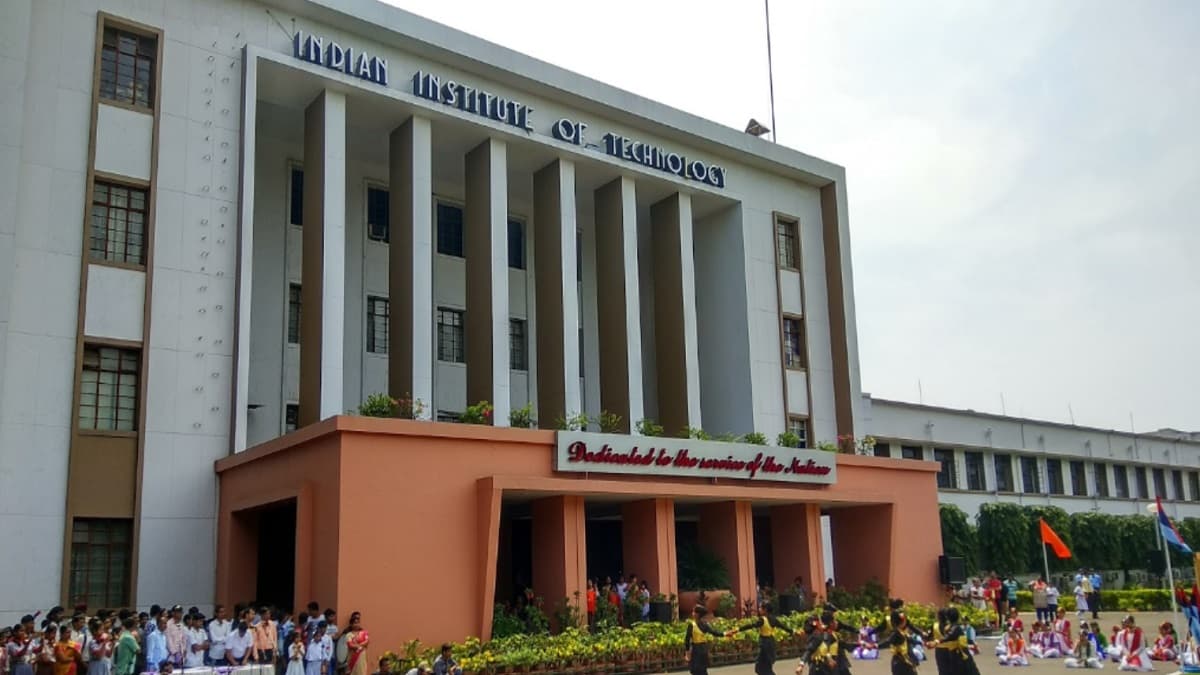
x,y
676,348
559,549
727,529
863,541
323,266
410,260
556,291
618,301
648,543
485,234
796,546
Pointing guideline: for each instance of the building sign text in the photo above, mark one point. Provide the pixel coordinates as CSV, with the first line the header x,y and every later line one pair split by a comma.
x,y
336,57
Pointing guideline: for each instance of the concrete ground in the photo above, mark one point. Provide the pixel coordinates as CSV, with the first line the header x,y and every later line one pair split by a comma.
x,y
1149,621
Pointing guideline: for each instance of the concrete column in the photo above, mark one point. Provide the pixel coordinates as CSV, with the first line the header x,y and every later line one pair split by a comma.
x,y
556,292
648,543
796,546
675,344
559,549
863,541
485,234
323,266
410,260
618,305
727,529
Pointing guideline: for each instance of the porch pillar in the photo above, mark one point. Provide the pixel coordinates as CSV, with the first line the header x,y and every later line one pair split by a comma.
x,y
559,550
618,302
485,231
675,342
727,529
796,547
648,543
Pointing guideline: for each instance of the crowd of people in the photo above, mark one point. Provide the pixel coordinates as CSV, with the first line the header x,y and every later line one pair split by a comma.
x,y
164,640
999,593
616,595
1126,645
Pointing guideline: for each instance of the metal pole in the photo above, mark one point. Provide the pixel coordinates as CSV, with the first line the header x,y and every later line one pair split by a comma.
x,y
1046,562
771,73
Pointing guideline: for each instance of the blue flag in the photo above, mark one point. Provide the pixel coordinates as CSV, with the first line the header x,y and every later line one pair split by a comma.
x,y
1169,533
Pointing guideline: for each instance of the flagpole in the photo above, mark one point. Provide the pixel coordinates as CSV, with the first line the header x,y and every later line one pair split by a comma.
x,y
1166,549
1046,562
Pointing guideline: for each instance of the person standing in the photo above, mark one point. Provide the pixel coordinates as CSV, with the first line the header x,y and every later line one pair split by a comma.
x,y
295,654
316,661
127,649
1094,598
1038,588
218,630
445,664
20,652
67,659
591,602
768,626
695,641
176,633
265,634
239,646
197,642
357,640
100,650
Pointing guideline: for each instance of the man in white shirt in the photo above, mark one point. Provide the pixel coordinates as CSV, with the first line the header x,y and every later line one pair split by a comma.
x,y
218,630
239,646
197,642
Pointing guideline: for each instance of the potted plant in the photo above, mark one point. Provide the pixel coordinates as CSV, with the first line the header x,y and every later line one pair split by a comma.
x,y
701,573
660,609
791,600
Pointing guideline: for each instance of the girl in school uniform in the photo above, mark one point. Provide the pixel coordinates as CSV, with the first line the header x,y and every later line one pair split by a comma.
x,y
1164,644
1081,603
99,649
1015,654
295,654
316,659
868,643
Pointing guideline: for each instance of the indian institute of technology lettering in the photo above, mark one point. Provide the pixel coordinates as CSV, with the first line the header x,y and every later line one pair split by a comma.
x,y
476,101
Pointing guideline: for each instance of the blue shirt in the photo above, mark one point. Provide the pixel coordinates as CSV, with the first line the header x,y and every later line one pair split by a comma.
x,y
1096,582
156,649
1010,589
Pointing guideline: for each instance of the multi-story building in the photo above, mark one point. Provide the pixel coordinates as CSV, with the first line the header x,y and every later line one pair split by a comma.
x,y
987,458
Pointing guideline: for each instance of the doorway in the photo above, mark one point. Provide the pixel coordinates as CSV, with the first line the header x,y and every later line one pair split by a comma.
x,y
275,576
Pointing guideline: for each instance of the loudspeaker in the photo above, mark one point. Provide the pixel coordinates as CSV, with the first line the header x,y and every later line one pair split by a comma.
x,y
952,571
1156,563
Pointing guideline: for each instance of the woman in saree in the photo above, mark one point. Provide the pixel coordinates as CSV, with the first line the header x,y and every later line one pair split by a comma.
x,y
357,640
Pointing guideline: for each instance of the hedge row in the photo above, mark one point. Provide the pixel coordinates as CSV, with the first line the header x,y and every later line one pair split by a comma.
x,y
1006,538
1142,600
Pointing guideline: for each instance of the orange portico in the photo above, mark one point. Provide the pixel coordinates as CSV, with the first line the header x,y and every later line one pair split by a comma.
x,y
423,525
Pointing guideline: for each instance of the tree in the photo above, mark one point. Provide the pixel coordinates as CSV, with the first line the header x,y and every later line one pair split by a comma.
x,y
1137,540
1059,521
1189,529
959,537
1096,540
1003,531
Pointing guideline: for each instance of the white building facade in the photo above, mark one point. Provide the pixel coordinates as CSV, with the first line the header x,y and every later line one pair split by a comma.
x,y
222,220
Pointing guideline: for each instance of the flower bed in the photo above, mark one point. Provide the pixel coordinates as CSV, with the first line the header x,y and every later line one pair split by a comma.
x,y
1133,600
643,648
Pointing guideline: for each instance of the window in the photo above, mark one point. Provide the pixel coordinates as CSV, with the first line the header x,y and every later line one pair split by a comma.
x,y
1143,489
1177,479
947,477
911,452
1160,483
581,363
450,335
100,558
449,230
1101,471
799,426
293,326
127,67
1078,479
446,416
976,480
296,197
118,224
516,244
793,343
377,325
1054,476
1030,478
578,257
1194,484
108,389
378,224
291,417
1121,478
883,449
1004,474
517,352
785,243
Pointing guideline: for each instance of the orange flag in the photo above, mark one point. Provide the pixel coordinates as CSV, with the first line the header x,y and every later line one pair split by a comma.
x,y
1051,537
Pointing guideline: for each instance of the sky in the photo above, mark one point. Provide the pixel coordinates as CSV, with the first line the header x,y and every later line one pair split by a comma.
x,y
1023,176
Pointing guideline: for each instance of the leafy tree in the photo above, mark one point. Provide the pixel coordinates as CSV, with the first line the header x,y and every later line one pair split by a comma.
x,y
1003,530
1189,529
1096,540
1137,539
1059,521
960,539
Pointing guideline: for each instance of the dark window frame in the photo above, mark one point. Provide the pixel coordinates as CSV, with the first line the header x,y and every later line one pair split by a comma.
x,y
1078,472
112,236
1030,473
1121,479
98,545
451,335
1100,474
1194,485
378,213
947,477
518,344
1177,484
798,425
1004,474
1055,484
103,379
451,238
973,462
907,450
295,194
882,449
295,307
787,243
1141,482
378,309
516,253
1159,476
291,417
127,67
794,357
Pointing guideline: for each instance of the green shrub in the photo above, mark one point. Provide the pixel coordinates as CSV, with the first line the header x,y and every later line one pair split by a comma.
x,y
959,537
610,423
701,569
1002,538
522,418
755,438
788,439
575,422
695,433
480,413
648,427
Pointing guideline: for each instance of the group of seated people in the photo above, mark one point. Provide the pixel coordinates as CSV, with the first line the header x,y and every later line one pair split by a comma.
x,y
1126,646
